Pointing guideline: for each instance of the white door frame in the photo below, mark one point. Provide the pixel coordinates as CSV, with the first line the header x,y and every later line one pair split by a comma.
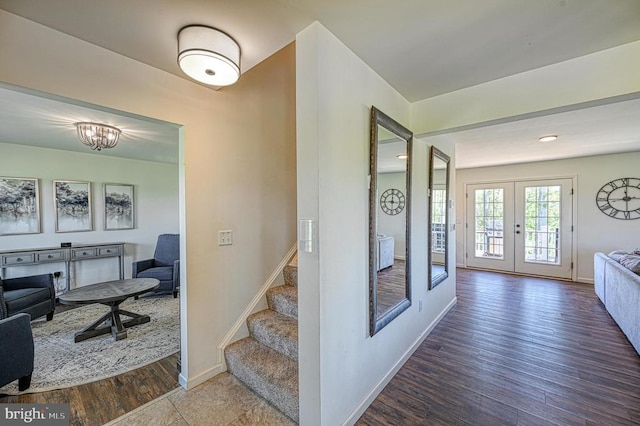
x,y
467,245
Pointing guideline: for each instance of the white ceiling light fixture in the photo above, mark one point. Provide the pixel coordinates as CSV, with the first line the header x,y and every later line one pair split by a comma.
x,y
548,138
97,136
208,55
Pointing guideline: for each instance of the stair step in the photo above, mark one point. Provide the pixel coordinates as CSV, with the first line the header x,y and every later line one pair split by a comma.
x,y
275,330
290,273
269,373
283,299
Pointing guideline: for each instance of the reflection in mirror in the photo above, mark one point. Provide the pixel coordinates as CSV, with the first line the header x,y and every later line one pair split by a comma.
x,y
438,217
389,201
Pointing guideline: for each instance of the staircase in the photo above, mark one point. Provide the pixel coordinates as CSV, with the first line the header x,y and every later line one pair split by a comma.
x,y
267,360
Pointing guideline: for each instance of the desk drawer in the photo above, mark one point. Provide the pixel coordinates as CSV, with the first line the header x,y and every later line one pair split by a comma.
x,y
109,251
50,256
83,253
17,259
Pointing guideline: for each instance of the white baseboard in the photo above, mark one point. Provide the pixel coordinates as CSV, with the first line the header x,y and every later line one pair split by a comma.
x,y
201,378
371,396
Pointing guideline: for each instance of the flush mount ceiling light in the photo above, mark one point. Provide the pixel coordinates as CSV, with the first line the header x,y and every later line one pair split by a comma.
x,y
548,138
97,136
208,55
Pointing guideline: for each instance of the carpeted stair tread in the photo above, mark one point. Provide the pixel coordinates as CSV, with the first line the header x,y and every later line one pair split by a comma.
x,y
275,330
269,373
283,299
290,273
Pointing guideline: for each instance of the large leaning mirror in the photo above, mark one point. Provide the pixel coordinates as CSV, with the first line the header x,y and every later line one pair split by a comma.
x,y
389,213
438,217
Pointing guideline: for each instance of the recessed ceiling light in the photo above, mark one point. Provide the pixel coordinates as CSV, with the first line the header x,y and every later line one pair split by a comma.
x,y
548,138
402,156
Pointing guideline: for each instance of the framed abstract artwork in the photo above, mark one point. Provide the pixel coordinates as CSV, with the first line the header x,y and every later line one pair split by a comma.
x,y
72,206
19,206
118,206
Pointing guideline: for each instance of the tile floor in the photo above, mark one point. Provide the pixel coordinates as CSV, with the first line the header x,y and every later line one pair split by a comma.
x,y
222,400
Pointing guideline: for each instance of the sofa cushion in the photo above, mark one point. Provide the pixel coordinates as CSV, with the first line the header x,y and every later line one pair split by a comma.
x,y
23,298
617,254
163,273
631,262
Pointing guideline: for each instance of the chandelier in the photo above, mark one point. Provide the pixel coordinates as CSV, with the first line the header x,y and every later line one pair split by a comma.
x,y
97,136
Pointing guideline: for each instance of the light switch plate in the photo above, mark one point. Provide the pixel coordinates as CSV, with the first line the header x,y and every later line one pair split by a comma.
x,y
225,238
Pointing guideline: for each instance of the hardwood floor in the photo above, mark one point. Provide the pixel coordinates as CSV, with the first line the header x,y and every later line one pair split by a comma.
x,y
517,351
391,287
99,402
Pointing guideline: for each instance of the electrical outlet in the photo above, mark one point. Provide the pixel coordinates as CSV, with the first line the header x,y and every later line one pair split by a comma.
x,y
225,238
420,306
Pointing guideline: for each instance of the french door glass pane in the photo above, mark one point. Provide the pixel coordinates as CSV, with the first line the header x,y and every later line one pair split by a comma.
x,y
542,224
439,220
489,220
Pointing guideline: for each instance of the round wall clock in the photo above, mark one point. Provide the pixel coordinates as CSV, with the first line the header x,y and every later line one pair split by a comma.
x,y
620,198
392,201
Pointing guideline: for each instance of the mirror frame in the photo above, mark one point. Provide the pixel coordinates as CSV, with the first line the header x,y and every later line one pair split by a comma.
x,y
378,118
435,280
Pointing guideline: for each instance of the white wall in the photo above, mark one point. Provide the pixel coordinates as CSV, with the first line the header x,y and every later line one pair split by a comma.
x,y
594,230
393,225
341,367
237,165
155,202
563,86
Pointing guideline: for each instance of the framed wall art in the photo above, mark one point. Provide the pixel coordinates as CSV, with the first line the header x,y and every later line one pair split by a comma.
x,y
72,206
118,206
19,206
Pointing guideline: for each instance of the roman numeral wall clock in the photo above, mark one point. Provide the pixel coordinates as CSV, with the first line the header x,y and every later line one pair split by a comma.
x,y
620,198
392,201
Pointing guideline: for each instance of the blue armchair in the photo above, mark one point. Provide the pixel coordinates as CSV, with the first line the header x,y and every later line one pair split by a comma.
x,y
165,265
34,295
16,351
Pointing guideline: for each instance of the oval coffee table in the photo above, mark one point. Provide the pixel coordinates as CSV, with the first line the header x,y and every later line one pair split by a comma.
x,y
112,294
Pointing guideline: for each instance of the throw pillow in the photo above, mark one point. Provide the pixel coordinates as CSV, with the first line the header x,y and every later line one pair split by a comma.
x,y
631,262
617,254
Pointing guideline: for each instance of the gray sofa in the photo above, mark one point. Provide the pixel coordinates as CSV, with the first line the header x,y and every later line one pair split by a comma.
x,y
16,351
619,289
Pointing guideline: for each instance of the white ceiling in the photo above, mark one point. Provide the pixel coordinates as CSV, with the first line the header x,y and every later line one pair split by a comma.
x,y
421,47
31,118
598,130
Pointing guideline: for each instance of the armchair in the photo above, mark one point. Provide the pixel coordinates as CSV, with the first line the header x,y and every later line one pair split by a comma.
x,y
165,265
16,351
34,295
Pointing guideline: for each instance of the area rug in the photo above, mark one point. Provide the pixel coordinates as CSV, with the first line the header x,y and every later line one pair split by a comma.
x,y
61,363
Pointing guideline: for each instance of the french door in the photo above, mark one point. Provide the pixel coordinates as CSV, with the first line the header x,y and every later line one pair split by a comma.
x,y
522,227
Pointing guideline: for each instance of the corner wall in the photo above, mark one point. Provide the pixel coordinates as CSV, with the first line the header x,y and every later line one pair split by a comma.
x,y
237,165
594,230
342,368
